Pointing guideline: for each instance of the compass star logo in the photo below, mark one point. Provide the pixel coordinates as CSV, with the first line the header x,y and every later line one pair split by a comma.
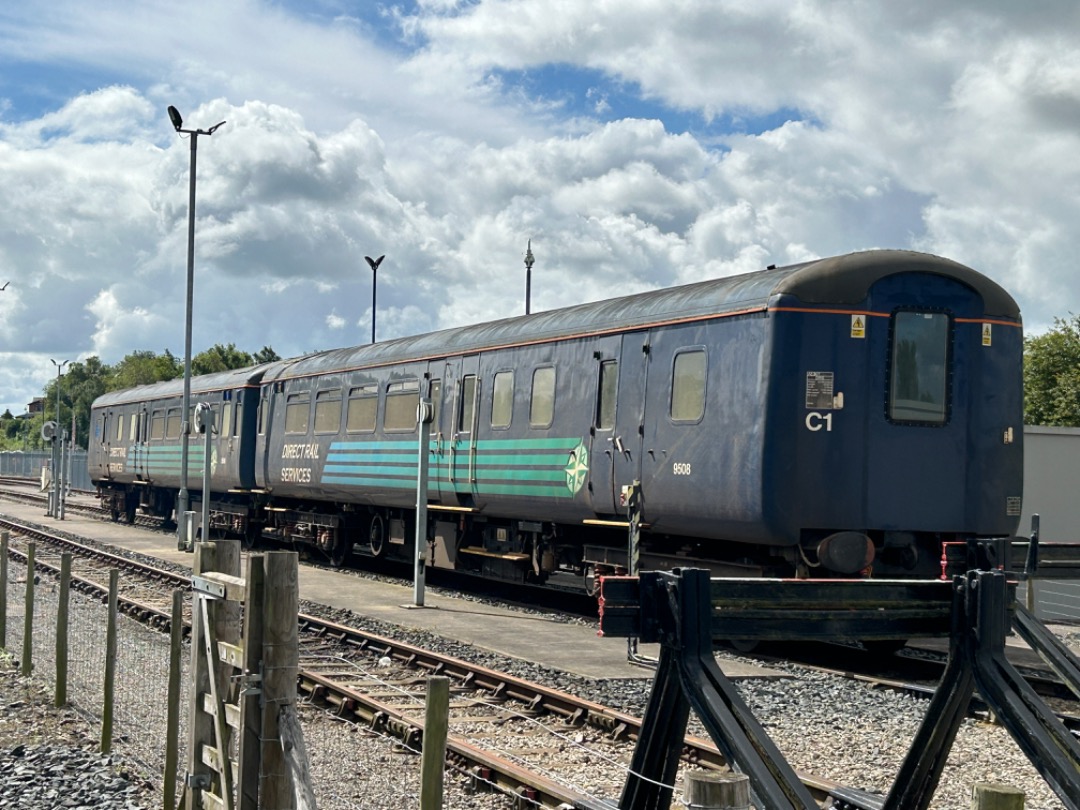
x,y
577,468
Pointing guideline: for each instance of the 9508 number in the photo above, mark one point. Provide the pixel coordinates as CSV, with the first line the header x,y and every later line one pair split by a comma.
x,y
680,468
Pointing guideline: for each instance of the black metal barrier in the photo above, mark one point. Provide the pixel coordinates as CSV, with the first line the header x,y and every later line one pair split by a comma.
x,y
685,612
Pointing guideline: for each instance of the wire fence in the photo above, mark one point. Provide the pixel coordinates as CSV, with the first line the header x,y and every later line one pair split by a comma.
x,y
141,667
28,464
371,770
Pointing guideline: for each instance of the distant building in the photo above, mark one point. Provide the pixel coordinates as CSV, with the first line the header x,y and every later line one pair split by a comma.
x,y
37,406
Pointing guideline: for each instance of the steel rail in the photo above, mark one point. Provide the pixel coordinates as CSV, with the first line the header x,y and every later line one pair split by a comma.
x,y
485,766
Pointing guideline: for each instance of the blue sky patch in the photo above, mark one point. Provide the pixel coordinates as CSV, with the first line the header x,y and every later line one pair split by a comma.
x,y
589,93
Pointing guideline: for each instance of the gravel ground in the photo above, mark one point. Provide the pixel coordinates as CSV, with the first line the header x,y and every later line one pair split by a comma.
x,y
832,727
49,759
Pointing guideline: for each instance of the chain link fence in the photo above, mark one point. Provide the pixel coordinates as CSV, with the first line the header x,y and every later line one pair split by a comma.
x,y
29,464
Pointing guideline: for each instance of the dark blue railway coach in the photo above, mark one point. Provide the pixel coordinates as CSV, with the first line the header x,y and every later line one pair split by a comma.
x,y
840,417
134,452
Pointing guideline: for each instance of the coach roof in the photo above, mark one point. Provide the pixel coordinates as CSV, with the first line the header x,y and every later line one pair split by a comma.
x,y
200,385
842,280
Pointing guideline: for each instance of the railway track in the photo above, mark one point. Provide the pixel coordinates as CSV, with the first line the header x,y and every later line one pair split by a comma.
x,y
571,600
378,682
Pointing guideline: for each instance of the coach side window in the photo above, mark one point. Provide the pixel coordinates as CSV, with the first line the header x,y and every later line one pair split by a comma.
x,y
607,389
363,408
172,424
467,404
436,405
157,425
328,411
401,400
688,386
542,403
296,413
226,419
136,426
120,427
502,399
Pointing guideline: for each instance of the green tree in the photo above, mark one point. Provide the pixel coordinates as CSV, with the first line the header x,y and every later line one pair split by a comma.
x,y
144,367
219,358
81,383
1052,375
265,355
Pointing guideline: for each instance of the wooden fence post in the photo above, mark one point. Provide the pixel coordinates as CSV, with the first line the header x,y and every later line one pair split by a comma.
x,y
214,622
172,719
433,756
988,796
28,619
108,703
62,629
5,538
716,791
250,748
280,667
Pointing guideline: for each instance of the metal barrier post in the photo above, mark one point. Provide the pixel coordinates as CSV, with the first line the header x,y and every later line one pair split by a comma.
x,y
5,538
28,619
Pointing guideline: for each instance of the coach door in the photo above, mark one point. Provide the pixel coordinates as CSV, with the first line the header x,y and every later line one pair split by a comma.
x,y
100,453
618,387
457,461
137,432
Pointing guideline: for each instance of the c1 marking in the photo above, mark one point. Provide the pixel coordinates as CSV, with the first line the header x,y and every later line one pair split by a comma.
x,y
816,421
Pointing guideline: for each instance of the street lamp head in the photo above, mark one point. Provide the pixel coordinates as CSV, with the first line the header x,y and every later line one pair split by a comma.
x,y
374,263
176,118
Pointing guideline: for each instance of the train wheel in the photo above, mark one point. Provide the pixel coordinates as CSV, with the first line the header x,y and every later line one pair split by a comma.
x,y
114,513
341,553
592,581
884,647
130,512
252,533
743,645
377,536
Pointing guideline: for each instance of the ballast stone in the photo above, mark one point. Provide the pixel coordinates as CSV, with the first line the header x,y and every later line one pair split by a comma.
x,y
36,777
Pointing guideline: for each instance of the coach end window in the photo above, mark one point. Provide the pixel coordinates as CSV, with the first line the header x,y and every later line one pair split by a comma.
x,y
919,372
688,386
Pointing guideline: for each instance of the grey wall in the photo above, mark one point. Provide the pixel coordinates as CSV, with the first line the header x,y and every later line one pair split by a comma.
x,y
1052,491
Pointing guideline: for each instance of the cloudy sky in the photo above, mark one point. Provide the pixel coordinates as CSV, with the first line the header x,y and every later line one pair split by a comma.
x,y
637,143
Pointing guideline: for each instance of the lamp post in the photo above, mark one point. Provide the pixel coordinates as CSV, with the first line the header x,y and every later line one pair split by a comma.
x,y
185,419
57,466
529,262
374,263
